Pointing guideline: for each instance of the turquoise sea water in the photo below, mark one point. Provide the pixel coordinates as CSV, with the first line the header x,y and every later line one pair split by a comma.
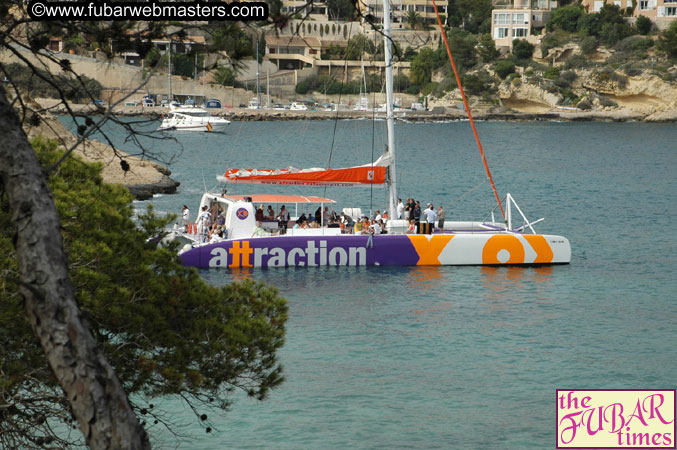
x,y
458,357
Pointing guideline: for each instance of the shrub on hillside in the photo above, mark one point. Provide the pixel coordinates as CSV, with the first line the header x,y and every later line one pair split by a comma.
x,y
644,25
584,104
522,49
667,41
504,68
589,45
566,18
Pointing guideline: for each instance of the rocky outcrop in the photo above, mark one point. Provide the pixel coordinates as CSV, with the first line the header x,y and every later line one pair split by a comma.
x,y
526,97
646,93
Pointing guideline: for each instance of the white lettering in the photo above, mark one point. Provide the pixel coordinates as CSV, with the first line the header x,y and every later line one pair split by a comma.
x,y
258,256
358,256
220,258
342,257
277,257
311,251
323,253
291,258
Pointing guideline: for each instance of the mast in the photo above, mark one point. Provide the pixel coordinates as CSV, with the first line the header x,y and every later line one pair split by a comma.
x,y
170,70
258,76
390,119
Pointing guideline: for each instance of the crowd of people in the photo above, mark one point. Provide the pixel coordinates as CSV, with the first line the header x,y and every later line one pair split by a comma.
x,y
210,225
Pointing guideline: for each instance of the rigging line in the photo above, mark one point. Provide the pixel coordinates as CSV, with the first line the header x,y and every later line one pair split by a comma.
x,y
467,108
338,107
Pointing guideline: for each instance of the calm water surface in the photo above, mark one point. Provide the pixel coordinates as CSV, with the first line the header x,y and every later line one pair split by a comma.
x,y
458,357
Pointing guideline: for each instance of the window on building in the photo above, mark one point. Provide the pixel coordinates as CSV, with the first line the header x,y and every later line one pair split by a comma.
x,y
420,8
500,33
501,19
520,32
670,11
643,5
520,19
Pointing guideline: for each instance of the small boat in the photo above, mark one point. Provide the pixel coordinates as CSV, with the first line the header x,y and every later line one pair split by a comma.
x,y
298,106
192,119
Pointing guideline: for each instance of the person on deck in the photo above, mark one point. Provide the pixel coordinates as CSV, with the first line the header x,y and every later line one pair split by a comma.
x,y
400,208
430,217
271,213
441,215
185,212
283,220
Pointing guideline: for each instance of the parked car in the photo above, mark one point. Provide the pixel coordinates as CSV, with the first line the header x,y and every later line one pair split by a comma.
x,y
148,102
98,102
131,103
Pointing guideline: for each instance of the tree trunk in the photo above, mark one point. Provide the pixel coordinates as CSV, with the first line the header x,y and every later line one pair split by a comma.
x,y
98,401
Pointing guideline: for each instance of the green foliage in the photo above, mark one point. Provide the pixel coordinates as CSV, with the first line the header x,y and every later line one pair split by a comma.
x,y
428,88
504,68
475,15
340,9
522,49
576,61
566,18
590,24
589,45
409,54
413,19
486,48
225,76
422,66
358,45
233,40
610,13
185,65
584,104
329,85
612,33
667,41
474,85
551,73
644,25
162,328
462,44
27,81
556,38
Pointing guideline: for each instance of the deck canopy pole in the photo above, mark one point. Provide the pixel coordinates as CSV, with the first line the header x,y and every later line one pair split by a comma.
x,y
390,119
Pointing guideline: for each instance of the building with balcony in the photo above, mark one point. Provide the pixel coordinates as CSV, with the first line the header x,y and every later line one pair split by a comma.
x,y
306,10
661,12
519,20
399,10
293,52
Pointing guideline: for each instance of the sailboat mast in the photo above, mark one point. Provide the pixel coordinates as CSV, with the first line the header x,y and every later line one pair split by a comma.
x,y
258,76
390,119
169,69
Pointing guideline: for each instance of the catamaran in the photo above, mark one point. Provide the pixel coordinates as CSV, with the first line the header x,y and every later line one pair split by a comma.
x,y
255,240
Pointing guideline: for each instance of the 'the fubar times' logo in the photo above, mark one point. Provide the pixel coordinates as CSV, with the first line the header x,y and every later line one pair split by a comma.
x,y
615,418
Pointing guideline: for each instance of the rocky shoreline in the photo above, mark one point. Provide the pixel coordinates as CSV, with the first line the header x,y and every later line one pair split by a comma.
x,y
437,114
143,178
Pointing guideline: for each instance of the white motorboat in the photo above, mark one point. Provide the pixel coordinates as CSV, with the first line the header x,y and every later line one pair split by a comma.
x,y
192,119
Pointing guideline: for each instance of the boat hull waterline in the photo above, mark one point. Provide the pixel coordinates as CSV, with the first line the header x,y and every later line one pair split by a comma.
x,y
384,250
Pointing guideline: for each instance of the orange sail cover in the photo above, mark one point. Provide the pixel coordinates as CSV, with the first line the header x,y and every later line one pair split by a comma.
x,y
349,176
